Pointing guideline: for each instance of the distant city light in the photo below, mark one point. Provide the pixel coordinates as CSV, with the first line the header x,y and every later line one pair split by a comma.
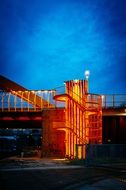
x,y
87,73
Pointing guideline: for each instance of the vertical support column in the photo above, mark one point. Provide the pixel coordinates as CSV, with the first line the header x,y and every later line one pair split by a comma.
x,y
9,101
15,101
2,101
67,113
41,99
53,94
21,100
79,127
34,101
28,93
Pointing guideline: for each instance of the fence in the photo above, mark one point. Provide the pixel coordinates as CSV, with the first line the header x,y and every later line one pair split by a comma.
x,y
113,100
104,153
22,101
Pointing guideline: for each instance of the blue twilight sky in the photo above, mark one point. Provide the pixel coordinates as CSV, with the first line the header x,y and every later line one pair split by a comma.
x,y
46,42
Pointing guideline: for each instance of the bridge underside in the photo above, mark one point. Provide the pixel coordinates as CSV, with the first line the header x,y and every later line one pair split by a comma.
x,y
19,120
53,140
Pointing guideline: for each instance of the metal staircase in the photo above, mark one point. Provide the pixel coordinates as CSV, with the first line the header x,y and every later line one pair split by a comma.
x,y
83,113
29,96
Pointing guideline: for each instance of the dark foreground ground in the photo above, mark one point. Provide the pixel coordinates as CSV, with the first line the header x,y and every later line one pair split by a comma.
x,y
44,174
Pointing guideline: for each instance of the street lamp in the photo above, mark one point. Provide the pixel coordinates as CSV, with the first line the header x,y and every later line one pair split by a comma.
x,y
87,74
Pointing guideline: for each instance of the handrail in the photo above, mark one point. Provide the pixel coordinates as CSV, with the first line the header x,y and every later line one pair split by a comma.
x,y
84,106
10,86
26,99
113,100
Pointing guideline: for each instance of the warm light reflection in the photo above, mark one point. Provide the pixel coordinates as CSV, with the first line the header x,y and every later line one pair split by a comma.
x,y
79,121
59,159
66,131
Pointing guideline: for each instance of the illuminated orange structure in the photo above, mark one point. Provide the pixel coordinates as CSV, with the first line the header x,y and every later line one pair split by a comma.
x,y
83,114
65,130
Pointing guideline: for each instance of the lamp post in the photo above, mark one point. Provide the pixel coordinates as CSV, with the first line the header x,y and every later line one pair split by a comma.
x,y
87,74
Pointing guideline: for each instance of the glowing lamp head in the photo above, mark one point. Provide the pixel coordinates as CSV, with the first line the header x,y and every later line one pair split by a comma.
x,y
87,73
